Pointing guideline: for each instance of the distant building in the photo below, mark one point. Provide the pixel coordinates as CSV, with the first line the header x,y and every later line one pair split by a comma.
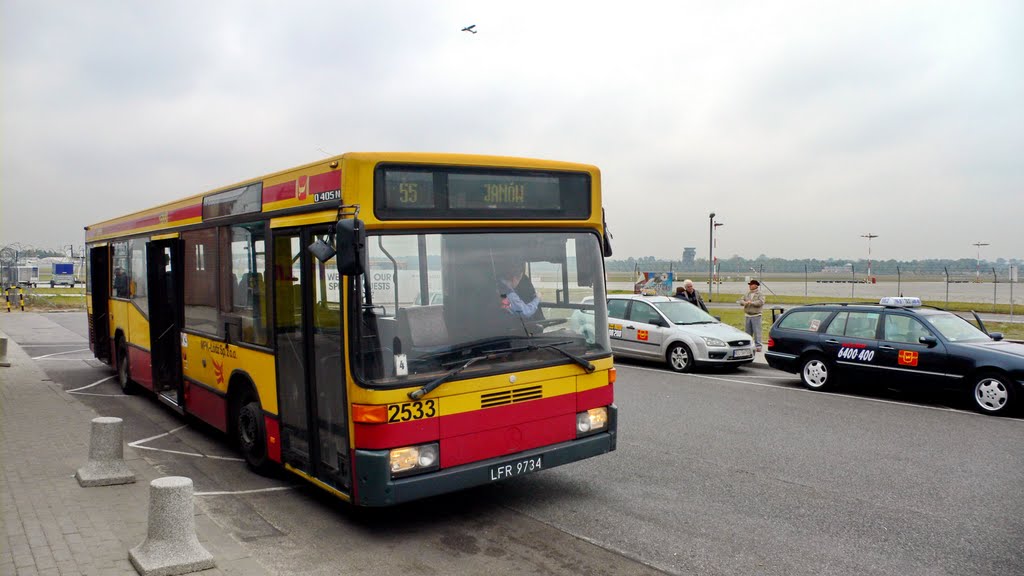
x,y
844,269
688,255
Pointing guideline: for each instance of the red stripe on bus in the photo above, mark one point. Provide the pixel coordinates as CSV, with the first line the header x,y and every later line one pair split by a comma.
x,y
501,418
325,182
279,192
140,366
508,415
507,440
595,398
207,405
377,436
273,438
186,213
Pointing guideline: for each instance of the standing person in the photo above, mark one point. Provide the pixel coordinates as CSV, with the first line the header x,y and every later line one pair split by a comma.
x,y
689,293
752,303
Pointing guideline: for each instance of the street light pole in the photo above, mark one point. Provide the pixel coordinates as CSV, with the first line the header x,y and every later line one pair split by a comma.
x,y
711,252
869,236
977,267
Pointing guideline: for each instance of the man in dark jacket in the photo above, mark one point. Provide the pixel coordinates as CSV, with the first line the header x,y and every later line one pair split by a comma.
x,y
689,293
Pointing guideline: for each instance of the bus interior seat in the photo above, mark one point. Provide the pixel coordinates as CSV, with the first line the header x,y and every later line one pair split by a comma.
x,y
422,329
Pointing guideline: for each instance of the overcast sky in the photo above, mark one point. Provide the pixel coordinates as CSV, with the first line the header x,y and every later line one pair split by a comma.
x,y
803,125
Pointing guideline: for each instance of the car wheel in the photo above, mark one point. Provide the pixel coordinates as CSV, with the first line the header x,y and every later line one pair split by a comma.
x,y
252,434
816,373
679,358
124,377
992,394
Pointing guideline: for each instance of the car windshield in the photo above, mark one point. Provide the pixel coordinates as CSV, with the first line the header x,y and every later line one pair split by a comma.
x,y
955,328
682,312
432,302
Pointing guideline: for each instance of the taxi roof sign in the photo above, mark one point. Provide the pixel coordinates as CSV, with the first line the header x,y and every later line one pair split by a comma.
x,y
907,301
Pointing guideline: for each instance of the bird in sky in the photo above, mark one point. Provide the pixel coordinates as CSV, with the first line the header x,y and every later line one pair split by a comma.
x,y
470,28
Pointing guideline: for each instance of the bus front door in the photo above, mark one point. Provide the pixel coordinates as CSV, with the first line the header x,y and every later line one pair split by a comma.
x,y
164,267
99,321
310,375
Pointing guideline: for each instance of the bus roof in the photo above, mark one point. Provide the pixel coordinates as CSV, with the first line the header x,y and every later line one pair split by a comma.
x,y
281,188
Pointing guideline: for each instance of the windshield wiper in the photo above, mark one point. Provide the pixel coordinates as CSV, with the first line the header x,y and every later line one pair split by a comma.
x,y
429,386
433,384
555,346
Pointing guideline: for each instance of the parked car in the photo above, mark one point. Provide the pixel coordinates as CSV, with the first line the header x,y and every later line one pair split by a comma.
x,y
898,341
674,331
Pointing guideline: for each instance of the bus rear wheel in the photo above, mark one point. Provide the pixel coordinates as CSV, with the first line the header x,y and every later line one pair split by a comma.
x,y
252,435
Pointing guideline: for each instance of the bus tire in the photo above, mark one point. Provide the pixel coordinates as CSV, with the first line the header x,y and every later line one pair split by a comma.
x,y
124,373
252,435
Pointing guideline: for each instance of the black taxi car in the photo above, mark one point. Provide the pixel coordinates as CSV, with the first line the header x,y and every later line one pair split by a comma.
x,y
899,340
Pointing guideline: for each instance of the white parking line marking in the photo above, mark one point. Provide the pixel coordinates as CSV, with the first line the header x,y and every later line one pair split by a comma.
x,y
138,444
59,353
852,397
231,493
96,383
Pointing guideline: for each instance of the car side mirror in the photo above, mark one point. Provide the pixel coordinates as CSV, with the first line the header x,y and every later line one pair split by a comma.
x,y
929,341
997,336
659,322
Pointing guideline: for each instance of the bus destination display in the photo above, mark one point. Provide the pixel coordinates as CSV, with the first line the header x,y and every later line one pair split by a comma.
x,y
441,193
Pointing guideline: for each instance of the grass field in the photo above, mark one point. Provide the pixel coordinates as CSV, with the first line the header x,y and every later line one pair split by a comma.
x,y
42,299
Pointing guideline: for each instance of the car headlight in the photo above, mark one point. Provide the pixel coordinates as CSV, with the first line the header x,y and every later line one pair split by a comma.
x,y
714,342
591,421
414,459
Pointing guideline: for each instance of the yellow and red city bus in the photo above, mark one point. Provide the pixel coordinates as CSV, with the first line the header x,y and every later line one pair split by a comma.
x,y
347,319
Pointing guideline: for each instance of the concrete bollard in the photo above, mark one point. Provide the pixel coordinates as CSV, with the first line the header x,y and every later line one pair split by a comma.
x,y
106,465
4,362
171,546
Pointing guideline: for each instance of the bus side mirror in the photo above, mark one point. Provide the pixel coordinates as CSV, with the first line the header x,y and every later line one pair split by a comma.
x,y
606,237
350,242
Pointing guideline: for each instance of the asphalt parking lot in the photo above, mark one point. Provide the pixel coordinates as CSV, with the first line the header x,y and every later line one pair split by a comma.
x,y
741,472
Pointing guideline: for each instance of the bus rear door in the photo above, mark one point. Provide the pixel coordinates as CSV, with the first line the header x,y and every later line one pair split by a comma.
x,y
99,325
164,271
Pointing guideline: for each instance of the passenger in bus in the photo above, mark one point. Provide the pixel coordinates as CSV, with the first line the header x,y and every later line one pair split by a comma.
x,y
120,283
518,296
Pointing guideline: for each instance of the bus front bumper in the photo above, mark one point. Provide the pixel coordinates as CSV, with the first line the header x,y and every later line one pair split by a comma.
x,y
377,488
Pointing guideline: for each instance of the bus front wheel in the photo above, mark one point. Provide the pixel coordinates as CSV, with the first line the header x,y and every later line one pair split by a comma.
x,y
252,435
124,374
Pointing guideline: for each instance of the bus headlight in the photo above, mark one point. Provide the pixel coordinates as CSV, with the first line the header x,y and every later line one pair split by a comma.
x,y
593,420
414,459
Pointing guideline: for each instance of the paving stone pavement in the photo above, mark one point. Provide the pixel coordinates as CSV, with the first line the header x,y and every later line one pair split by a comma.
x,y
49,525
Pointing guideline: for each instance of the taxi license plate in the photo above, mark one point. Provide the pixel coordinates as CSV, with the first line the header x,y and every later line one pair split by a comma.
x,y
517,468
741,353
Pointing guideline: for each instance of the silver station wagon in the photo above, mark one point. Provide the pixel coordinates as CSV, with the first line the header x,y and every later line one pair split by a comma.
x,y
674,331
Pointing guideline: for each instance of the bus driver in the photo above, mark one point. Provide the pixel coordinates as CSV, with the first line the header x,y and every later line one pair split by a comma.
x,y
518,296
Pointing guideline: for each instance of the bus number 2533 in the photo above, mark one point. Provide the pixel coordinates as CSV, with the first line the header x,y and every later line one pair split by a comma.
x,y
411,411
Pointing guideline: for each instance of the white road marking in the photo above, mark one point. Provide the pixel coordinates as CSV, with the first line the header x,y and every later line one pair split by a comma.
x,y
96,383
59,353
230,492
138,444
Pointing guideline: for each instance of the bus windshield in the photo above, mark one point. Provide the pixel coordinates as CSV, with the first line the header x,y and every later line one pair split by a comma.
x,y
514,300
